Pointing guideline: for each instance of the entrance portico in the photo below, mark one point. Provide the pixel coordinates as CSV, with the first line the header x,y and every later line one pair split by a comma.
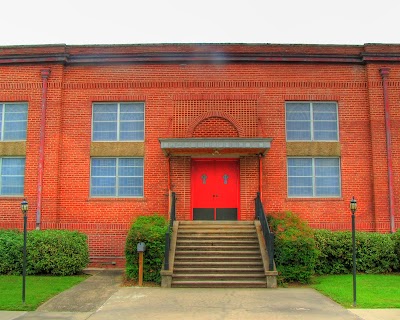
x,y
207,176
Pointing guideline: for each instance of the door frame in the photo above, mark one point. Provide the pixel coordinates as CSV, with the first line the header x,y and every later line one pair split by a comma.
x,y
237,160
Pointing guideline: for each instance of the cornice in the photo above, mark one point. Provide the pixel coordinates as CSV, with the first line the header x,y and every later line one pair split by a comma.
x,y
195,58
33,58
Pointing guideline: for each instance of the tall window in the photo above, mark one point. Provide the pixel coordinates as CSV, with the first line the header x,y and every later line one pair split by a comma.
x,y
12,176
13,119
313,177
118,121
116,177
311,121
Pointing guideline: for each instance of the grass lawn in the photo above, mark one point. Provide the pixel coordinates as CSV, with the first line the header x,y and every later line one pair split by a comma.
x,y
38,290
373,290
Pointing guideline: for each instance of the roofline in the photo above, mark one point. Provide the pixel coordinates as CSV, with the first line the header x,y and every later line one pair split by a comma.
x,y
246,53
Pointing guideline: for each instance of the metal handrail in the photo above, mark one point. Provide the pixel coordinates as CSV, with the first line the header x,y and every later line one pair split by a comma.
x,y
268,235
172,216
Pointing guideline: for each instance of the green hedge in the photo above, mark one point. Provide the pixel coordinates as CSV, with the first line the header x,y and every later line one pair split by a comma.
x,y
295,250
301,251
56,252
396,241
375,252
150,230
11,246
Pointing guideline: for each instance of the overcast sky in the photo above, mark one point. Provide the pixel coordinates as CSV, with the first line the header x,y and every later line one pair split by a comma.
x,y
203,21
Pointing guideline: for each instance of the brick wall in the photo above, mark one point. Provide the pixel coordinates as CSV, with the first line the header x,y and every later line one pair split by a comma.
x,y
246,100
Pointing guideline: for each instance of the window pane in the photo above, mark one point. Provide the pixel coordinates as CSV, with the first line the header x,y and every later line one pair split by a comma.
x,y
137,107
105,117
298,111
15,119
300,180
326,135
132,136
325,121
298,121
1,121
327,177
300,191
12,176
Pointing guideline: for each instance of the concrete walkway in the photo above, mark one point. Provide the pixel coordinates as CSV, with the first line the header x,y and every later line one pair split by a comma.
x,y
100,297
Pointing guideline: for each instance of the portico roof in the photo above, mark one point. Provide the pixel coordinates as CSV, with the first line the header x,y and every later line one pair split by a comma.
x,y
215,146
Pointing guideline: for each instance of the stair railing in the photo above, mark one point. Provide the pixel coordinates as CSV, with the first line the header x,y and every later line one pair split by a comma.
x,y
268,235
172,216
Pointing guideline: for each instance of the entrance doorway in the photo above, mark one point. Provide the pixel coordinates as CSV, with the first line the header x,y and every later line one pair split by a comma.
x,y
215,189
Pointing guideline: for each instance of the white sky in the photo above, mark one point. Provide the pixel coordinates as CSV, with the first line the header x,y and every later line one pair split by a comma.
x,y
202,21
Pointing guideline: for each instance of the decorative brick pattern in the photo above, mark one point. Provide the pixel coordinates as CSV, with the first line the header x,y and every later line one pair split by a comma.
x,y
189,113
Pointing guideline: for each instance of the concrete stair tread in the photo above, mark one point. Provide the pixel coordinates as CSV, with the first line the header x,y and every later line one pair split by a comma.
x,y
237,264
216,230
219,269
219,283
218,275
218,252
217,241
239,237
216,247
205,258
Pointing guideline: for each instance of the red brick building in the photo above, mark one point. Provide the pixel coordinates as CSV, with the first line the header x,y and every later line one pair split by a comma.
x,y
94,136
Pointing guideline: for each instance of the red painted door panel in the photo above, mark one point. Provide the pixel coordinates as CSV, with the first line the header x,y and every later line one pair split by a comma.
x,y
215,189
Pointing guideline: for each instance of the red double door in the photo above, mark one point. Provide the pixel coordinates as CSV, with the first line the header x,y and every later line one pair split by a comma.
x,y
215,189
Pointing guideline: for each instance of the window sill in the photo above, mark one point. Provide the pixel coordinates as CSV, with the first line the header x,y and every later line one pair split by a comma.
x,y
11,197
315,199
100,199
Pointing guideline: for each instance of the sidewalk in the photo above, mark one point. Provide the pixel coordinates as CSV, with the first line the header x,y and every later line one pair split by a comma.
x,y
100,297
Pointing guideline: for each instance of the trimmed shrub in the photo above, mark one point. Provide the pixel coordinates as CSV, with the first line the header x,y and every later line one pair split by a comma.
x,y
150,230
335,252
396,242
56,252
295,251
375,252
11,242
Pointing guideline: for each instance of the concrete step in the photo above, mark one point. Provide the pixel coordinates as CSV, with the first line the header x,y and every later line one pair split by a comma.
x,y
224,241
238,248
214,232
217,270
220,276
219,264
217,251
199,223
222,236
219,284
205,258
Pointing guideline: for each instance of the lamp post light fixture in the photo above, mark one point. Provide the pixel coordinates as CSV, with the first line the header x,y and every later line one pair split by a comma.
x,y
24,209
353,208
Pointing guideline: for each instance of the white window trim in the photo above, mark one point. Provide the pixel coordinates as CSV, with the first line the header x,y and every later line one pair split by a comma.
x,y
314,196
116,196
312,121
118,121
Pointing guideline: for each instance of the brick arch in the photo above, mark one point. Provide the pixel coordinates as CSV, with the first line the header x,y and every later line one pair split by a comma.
x,y
217,114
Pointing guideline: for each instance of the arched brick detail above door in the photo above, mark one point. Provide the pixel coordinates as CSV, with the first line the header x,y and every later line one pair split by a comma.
x,y
223,116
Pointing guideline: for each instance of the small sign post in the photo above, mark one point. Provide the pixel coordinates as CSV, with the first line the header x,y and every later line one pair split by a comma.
x,y
141,247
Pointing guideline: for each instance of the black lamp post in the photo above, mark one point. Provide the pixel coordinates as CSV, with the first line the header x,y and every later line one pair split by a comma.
x,y
353,208
24,208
